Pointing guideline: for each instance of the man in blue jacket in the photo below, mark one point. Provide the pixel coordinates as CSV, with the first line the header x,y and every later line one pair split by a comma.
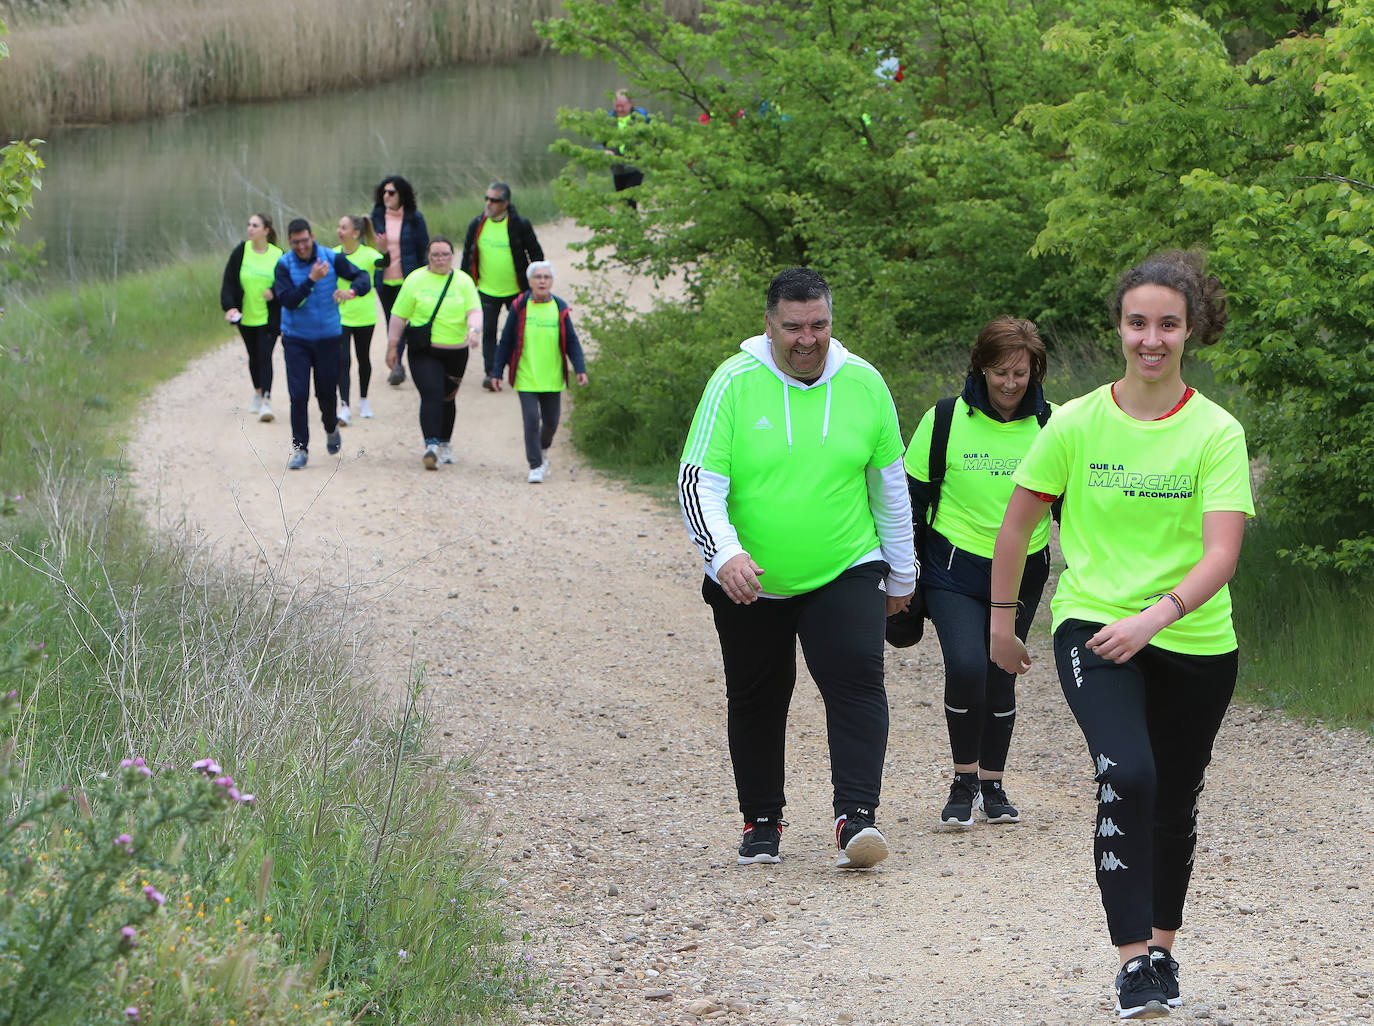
x,y
306,284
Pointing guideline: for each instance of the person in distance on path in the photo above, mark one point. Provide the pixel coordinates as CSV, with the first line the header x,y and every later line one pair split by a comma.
x,y
1156,487
792,486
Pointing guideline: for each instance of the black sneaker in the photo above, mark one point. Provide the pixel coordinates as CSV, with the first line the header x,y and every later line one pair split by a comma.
x,y
1139,992
861,844
958,811
333,442
1167,970
994,804
761,837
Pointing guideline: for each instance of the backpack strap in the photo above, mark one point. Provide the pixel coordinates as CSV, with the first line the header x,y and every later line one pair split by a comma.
x,y
939,447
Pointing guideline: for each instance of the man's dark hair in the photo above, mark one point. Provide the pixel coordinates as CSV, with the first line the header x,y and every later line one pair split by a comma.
x,y
502,188
797,284
298,224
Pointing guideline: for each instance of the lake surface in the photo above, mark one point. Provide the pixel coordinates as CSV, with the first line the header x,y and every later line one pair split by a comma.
x,y
123,197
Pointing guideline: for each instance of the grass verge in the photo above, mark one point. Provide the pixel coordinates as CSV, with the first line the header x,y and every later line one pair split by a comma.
x,y
354,887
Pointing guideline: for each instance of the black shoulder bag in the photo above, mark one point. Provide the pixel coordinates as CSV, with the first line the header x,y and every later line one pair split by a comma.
x,y
418,335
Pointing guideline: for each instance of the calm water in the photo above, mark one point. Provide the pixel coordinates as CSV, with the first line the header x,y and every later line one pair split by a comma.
x,y
123,197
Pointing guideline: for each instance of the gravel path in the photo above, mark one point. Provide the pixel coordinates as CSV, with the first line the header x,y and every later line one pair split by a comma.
x,y
567,644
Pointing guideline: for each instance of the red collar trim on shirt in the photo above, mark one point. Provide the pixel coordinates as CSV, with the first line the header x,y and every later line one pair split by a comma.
x,y
1188,393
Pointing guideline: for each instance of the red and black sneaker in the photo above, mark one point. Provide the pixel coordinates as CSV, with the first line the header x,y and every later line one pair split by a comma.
x,y
762,835
861,844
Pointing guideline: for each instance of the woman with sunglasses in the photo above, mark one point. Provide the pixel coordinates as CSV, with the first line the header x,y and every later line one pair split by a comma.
x,y
403,238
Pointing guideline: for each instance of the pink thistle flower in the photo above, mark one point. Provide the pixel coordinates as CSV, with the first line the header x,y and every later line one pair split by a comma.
x,y
131,1013
126,842
207,766
129,935
154,896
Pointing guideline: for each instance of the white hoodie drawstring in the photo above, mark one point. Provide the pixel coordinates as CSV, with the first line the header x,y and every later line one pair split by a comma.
x,y
787,414
825,424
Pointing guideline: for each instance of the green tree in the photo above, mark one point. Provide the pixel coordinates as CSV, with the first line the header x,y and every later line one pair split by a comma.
x,y
1264,162
19,168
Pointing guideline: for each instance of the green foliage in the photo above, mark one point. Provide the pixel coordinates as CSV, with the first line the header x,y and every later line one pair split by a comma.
x,y
1266,164
19,168
918,199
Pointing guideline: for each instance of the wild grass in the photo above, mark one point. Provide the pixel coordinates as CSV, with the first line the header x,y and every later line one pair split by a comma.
x,y
128,59
361,845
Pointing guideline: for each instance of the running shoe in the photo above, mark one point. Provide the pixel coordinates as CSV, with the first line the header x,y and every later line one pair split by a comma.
x,y
1139,992
545,466
365,409
345,415
994,805
431,457
297,460
333,443
256,405
445,453
265,411
536,476
958,811
1167,970
860,842
762,835
486,383
397,375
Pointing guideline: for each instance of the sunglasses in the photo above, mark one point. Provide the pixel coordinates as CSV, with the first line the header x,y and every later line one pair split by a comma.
x,y
496,199
388,192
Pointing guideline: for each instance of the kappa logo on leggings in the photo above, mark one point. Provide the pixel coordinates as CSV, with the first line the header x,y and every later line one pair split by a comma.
x,y
1110,829
1110,862
1077,668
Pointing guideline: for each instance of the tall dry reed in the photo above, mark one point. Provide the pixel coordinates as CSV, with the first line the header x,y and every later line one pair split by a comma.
x,y
137,58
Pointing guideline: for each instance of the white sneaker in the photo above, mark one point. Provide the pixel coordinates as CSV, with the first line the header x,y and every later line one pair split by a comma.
x,y
365,409
345,415
536,476
265,411
445,453
431,457
256,405
545,466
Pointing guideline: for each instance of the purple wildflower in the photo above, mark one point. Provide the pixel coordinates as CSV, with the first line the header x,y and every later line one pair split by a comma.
x,y
131,1013
129,935
154,896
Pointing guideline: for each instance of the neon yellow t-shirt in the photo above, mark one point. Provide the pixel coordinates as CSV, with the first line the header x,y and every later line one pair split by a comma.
x,y
361,311
254,276
495,264
541,359
421,290
800,508
1134,495
981,457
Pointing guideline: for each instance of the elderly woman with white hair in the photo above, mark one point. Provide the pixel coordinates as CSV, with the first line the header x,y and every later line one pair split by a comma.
x,y
537,343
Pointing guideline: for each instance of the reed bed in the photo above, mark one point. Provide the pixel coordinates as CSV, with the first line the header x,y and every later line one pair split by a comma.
x,y
129,59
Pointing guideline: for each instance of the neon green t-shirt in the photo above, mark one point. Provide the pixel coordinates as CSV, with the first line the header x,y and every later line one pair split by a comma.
x,y
420,292
799,506
1134,495
541,359
361,311
495,265
254,276
981,457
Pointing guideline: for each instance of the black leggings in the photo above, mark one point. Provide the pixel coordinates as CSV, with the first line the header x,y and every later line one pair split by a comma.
x,y
1150,723
361,336
841,626
387,293
259,340
980,697
437,373
539,411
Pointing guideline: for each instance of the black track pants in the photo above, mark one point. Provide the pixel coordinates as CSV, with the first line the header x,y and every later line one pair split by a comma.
x,y
361,338
491,316
437,373
259,341
1150,724
840,626
304,356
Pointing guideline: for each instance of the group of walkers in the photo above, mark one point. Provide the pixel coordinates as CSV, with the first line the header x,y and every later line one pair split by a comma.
x,y
319,301
815,522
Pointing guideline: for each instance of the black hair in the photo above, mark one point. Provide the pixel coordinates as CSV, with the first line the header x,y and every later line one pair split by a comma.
x,y
796,284
404,192
298,224
1184,271
501,187
439,238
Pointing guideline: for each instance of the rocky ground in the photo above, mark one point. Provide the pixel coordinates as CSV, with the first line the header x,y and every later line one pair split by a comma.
x,y
567,645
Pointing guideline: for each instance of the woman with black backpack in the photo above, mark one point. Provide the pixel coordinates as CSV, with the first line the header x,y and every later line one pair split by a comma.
x,y
959,466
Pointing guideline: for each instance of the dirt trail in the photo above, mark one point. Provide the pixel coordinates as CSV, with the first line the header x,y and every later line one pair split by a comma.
x,y
567,643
